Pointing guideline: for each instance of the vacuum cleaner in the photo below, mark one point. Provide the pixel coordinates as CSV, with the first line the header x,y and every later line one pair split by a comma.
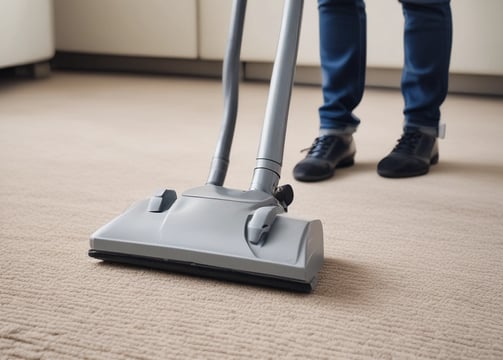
x,y
213,231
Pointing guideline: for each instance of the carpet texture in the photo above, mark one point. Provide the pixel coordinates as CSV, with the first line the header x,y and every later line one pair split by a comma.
x,y
413,267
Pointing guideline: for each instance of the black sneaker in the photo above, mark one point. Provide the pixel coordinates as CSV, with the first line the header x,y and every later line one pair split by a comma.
x,y
327,153
412,156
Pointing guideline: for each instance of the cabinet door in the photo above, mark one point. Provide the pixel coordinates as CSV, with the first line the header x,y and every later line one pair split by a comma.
x,y
158,28
26,32
263,22
477,39
261,31
477,44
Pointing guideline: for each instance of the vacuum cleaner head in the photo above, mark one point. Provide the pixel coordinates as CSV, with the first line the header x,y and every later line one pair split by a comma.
x,y
242,236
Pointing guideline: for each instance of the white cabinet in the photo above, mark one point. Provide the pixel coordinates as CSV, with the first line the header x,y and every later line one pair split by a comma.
x,y
26,32
477,44
152,28
197,29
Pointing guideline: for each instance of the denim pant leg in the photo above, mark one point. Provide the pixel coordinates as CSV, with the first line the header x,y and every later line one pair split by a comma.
x,y
343,61
427,46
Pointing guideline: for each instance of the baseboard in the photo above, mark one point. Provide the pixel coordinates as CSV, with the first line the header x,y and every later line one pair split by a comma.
x,y
256,71
386,78
37,70
150,65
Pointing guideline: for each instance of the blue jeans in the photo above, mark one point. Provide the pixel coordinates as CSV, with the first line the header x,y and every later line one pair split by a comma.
x,y
427,47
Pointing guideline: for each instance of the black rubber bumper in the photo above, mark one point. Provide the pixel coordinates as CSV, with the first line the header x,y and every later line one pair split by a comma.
x,y
204,271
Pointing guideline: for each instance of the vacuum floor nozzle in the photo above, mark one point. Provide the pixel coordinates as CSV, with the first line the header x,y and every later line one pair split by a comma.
x,y
213,231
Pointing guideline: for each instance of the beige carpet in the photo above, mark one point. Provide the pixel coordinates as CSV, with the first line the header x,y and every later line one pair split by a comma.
x,y
414,268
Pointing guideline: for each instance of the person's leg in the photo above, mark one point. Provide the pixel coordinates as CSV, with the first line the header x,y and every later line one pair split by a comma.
x,y
427,50
427,47
343,60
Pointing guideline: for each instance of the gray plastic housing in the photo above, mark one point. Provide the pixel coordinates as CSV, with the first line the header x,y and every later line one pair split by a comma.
x,y
208,225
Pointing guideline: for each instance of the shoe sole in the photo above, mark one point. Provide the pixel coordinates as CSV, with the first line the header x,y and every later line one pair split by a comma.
x,y
393,175
346,162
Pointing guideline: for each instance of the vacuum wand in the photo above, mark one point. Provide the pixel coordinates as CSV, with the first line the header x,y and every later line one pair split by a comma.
x,y
270,153
230,74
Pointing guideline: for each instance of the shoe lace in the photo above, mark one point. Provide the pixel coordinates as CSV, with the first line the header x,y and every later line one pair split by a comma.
x,y
408,142
320,146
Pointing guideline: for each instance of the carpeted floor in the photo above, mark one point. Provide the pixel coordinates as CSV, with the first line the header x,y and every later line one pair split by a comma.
x,y
413,268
